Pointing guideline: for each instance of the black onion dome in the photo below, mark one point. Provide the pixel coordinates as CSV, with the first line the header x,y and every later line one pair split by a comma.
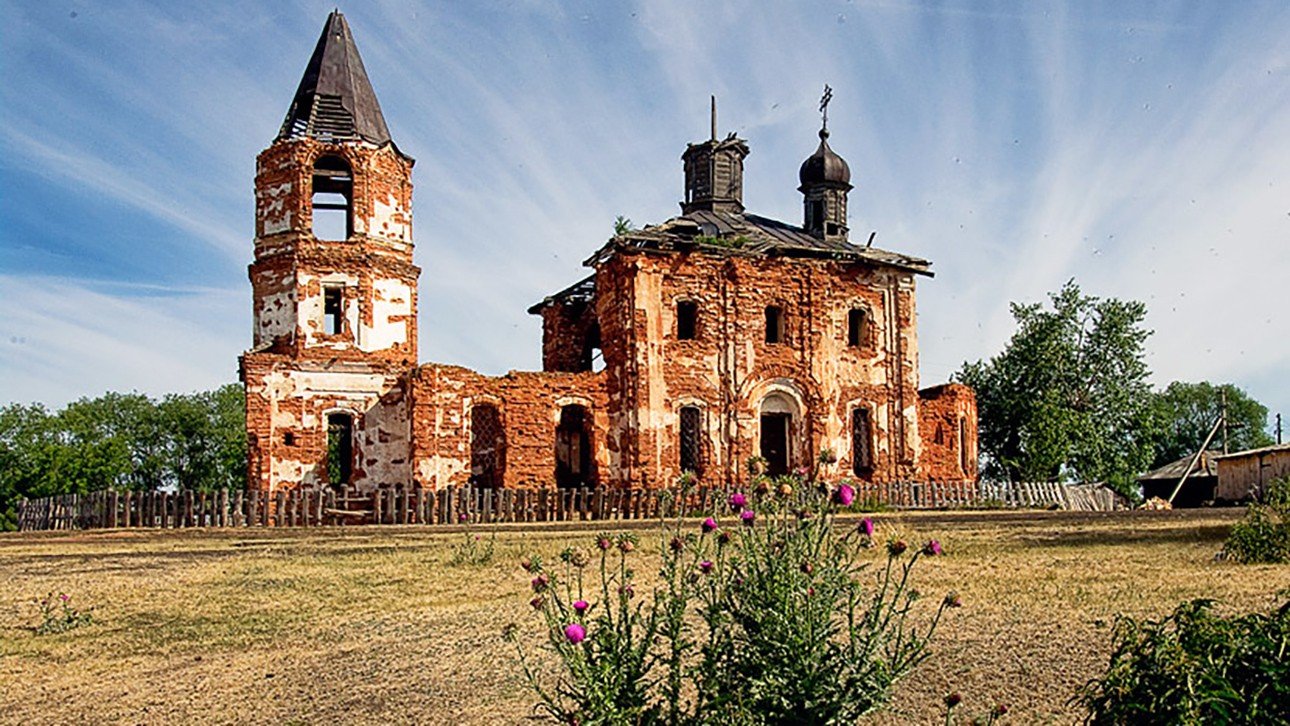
x,y
824,166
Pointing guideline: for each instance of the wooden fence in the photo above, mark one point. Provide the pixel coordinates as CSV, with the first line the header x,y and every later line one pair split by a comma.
x,y
399,505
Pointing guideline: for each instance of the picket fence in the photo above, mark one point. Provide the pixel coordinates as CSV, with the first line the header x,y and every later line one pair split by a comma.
x,y
398,505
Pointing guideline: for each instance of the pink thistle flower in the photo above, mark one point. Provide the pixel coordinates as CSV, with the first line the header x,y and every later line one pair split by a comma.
x,y
749,517
463,517
706,566
627,590
844,495
537,602
738,501
723,537
866,527
953,600
709,525
932,548
677,544
626,545
575,633
540,582
603,543
581,606
897,548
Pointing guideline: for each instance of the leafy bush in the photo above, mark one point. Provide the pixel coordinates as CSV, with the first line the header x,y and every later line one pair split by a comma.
x,y
57,615
763,619
1264,534
1195,667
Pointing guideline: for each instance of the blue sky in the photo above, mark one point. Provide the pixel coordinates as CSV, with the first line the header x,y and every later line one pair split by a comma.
x,y
1142,149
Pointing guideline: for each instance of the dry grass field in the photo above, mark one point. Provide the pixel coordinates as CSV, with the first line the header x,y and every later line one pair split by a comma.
x,y
373,625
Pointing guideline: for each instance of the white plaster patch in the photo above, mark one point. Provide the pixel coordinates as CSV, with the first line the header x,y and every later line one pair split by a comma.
x,y
390,220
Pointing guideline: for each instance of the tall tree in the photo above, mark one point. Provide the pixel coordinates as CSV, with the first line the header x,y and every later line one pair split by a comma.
x,y
1189,411
1068,397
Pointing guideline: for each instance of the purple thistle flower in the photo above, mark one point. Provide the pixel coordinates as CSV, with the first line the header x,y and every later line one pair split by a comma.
x,y
677,544
932,548
897,547
706,566
738,501
463,517
866,527
749,517
540,582
723,537
581,606
575,633
603,543
537,602
844,495
709,525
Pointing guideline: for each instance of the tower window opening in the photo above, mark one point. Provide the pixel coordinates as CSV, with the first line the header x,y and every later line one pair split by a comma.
x,y
691,441
861,442
333,195
340,449
855,327
774,324
333,309
593,355
964,460
687,319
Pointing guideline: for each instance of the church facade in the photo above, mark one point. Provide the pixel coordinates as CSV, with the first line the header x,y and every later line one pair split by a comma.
x,y
702,344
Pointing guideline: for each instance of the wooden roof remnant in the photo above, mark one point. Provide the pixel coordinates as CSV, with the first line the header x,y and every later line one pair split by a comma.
x,y
335,100
746,234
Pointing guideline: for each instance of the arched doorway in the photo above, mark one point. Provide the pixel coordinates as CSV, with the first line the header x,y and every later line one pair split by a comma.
x,y
340,449
573,460
487,446
780,422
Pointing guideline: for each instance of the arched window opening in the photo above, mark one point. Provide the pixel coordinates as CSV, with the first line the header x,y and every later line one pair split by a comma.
x,y
692,440
855,327
487,446
340,449
774,324
573,460
687,320
861,442
779,422
333,197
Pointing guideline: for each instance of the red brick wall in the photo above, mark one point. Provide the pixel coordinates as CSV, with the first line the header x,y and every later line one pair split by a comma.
x,y
947,421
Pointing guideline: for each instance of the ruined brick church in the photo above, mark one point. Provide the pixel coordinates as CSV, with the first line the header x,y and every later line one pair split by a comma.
x,y
693,345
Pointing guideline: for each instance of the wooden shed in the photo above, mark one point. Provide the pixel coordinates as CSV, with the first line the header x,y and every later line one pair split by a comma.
x,y
1246,474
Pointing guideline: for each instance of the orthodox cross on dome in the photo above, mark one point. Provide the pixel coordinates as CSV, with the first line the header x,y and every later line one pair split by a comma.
x,y
824,106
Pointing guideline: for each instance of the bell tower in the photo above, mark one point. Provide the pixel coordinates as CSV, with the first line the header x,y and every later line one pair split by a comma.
x,y
333,273
334,287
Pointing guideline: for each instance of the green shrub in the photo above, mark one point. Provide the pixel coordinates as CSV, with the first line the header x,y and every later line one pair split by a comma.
x,y
1264,534
771,616
1195,667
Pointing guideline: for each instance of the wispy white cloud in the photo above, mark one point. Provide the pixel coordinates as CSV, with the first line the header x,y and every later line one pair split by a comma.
x,y
1141,150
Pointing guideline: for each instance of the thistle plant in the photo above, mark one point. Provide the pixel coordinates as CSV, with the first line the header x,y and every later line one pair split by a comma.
x,y
770,612
472,548
57,615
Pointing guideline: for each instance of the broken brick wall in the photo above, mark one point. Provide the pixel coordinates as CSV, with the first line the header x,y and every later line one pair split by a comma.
x,y
569,331
948,423
287,407
729,370
529,405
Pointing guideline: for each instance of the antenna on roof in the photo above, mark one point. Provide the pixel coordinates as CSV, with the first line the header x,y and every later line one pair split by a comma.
x,y
714,118
872,234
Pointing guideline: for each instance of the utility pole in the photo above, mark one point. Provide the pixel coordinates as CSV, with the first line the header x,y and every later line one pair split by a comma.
x,y
1278,429
1223,416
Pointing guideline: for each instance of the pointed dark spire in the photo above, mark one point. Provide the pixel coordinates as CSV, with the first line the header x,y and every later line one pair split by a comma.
x,y
335,101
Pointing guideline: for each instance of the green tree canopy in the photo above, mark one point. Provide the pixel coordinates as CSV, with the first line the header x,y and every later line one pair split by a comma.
x,y
122,441
1068,397
1189,410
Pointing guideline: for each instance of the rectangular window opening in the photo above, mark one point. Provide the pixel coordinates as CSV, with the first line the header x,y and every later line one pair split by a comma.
x,y
687,318
861,442
855,327
333,309
774,324
340,449
691,441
